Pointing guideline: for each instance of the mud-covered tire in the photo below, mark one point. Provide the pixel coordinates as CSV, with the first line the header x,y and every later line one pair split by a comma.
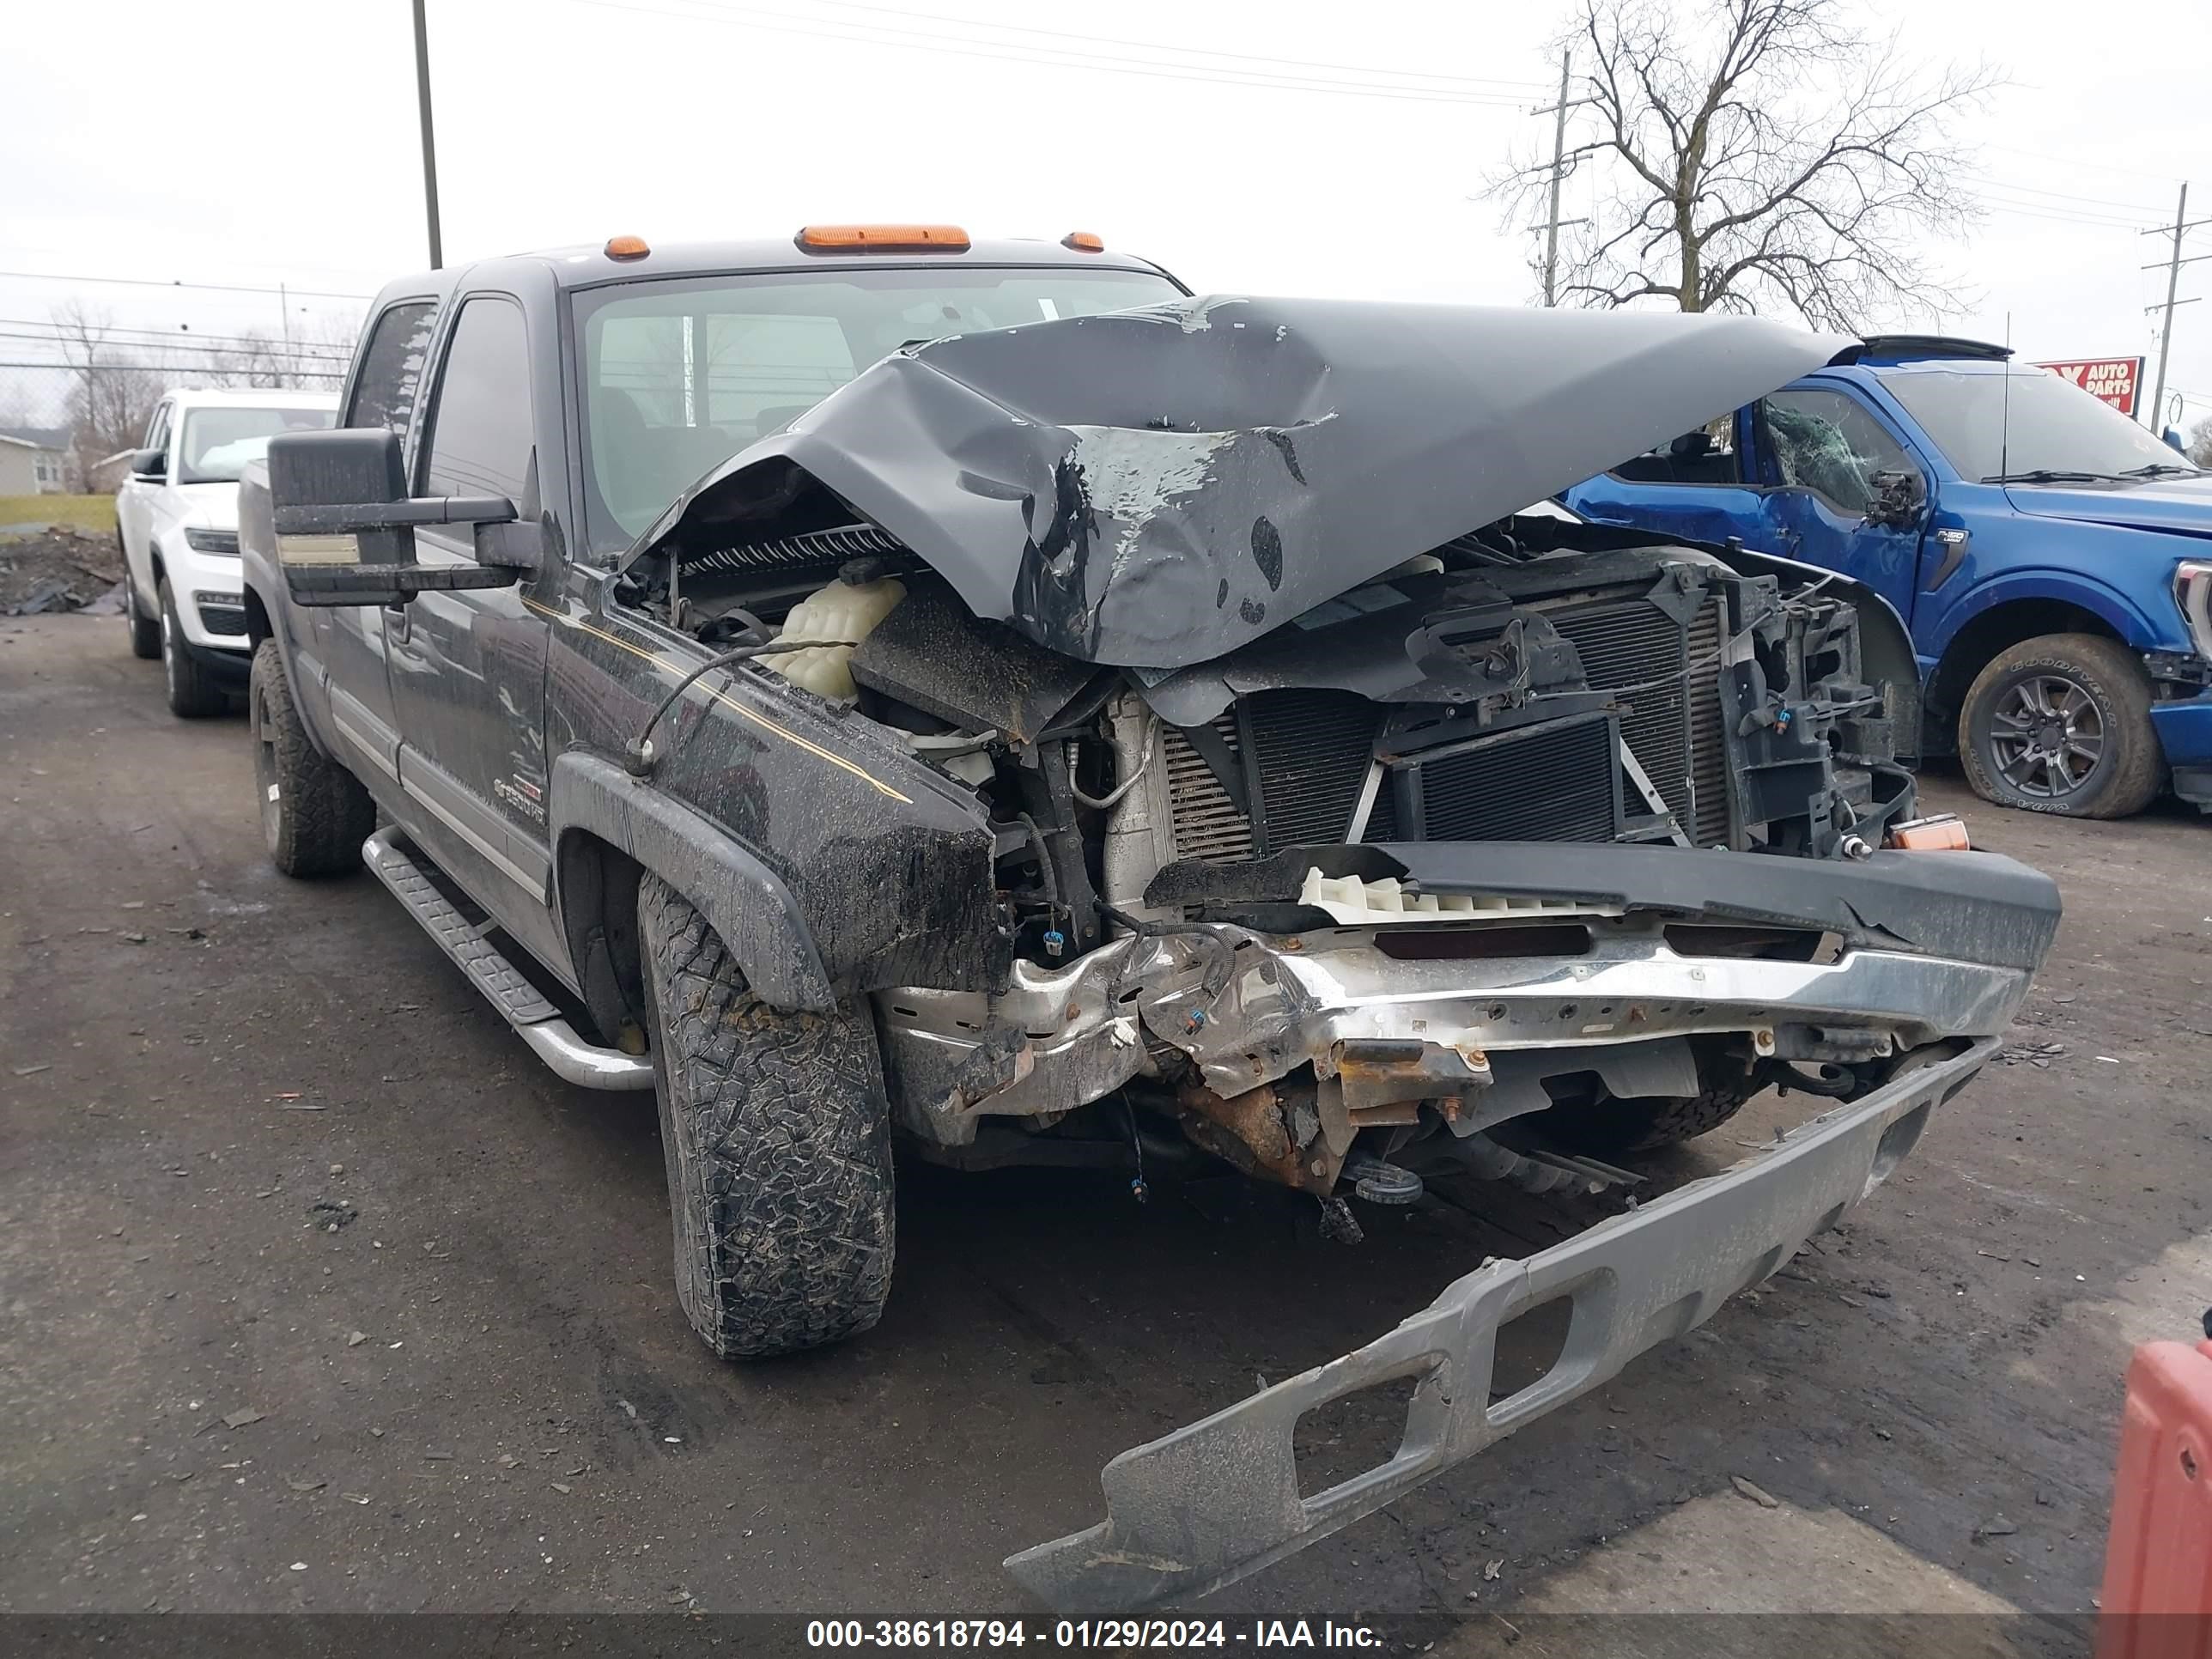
x,y
2114,703
1610,1127
145,630
193,693
777,1137
314,813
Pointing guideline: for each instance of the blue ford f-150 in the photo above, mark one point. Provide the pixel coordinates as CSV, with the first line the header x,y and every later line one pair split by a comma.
x,y
2053,559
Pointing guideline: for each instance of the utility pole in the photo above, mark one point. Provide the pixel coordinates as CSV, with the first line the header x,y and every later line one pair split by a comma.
x,y
2174,265
429,144
1552,220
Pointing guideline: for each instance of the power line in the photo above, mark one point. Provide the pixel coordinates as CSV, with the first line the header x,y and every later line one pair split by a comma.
x,y
155,281
2077,162
1999,205
1190,52
236,353
155,368
2062,196
184,336
1015,53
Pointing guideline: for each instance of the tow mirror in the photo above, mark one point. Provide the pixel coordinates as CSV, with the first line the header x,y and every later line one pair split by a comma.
x,y
345,525
1898,500
149,465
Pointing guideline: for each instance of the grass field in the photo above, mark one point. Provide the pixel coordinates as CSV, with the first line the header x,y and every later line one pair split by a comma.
x,y
93,512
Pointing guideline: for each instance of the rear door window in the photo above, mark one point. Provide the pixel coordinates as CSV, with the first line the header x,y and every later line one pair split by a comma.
x,y
1703,455
392,366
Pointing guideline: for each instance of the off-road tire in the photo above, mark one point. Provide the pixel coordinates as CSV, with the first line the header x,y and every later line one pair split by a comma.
x,y
314,813
145,630
1610,1127
2132,770
193,693
777,1136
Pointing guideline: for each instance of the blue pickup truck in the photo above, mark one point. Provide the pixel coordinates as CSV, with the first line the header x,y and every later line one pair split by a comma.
x,y
2052,558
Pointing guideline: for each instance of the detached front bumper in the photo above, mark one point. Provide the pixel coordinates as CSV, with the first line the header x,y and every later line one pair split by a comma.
x,y
1211,1502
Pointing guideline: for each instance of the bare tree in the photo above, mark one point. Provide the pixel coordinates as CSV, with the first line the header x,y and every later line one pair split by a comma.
x,y
115,389
1757,153
312,356
2199,447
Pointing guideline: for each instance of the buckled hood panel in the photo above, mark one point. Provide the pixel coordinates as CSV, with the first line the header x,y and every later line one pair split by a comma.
x,y
1152,487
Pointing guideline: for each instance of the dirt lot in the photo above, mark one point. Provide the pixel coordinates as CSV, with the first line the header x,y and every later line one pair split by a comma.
x,y
320,1294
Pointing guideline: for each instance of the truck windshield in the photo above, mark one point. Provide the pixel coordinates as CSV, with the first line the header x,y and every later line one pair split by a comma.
x,y
680,374
218,442
2046,431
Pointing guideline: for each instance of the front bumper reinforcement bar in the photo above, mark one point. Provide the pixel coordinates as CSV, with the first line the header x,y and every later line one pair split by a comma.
x,y
1211,1502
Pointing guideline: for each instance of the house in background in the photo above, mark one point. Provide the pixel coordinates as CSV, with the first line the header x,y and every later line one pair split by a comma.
x,y
34,460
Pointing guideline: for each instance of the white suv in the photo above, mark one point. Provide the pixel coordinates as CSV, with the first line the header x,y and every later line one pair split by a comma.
x,y
177,517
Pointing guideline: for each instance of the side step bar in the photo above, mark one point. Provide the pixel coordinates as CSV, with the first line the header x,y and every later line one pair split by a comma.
x,y
551,1037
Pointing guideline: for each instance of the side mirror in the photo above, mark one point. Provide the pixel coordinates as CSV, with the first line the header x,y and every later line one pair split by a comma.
x,y
345,525
150,465
1900,499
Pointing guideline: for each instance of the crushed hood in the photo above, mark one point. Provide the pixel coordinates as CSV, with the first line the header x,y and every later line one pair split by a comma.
x,y
1152,487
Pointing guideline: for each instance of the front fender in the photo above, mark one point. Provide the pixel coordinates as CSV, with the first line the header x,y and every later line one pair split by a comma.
x,y
258,574
743,901
2044,585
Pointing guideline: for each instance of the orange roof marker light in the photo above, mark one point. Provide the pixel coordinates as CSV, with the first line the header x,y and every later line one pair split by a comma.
x,y
1084,241
884,239
626,247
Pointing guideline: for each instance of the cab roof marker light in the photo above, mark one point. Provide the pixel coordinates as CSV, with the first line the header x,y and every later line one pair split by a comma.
x,y
626,247
884,239
1084,241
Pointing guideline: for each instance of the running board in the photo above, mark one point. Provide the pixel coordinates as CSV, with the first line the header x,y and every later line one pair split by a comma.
x,y
539,1023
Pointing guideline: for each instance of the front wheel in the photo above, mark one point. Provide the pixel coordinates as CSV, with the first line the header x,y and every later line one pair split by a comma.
x,y
314,813
2062,724
777,1137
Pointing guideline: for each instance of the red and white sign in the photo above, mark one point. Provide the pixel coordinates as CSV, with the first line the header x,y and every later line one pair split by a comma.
x,y
2115,380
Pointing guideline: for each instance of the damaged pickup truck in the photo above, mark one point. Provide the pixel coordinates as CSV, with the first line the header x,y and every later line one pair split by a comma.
x,y
877,685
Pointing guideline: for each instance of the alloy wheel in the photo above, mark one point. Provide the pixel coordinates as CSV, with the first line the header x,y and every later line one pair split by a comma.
x,y
2047,736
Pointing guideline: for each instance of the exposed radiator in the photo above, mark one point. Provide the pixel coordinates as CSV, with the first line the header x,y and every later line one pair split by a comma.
x,y
1673,727
1553,785
1306,754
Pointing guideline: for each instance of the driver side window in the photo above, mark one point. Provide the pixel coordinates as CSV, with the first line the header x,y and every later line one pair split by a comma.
x,y
1831,444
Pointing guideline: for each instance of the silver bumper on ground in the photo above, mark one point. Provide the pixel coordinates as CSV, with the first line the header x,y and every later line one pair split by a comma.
x,y
1213,1502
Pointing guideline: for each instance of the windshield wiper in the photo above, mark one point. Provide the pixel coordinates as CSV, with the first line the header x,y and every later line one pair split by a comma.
x,y
2051,475
2162,470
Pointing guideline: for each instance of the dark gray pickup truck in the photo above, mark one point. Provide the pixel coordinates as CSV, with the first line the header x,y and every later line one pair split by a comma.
x,y
874,684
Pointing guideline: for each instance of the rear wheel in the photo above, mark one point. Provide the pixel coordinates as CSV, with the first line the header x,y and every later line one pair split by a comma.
x,y
193,693
145,630
2062,724
314,813
777,1136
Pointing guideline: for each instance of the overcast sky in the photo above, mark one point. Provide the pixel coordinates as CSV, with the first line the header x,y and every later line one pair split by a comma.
x,y
268,141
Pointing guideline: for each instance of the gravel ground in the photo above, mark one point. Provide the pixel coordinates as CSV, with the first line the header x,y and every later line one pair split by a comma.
x,y
321,1295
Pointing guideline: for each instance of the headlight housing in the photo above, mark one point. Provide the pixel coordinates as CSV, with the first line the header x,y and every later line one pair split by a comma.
x,y
212,541
2192,591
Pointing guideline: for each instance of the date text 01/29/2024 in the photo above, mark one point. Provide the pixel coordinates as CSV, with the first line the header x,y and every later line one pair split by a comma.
x,y
1087,1633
